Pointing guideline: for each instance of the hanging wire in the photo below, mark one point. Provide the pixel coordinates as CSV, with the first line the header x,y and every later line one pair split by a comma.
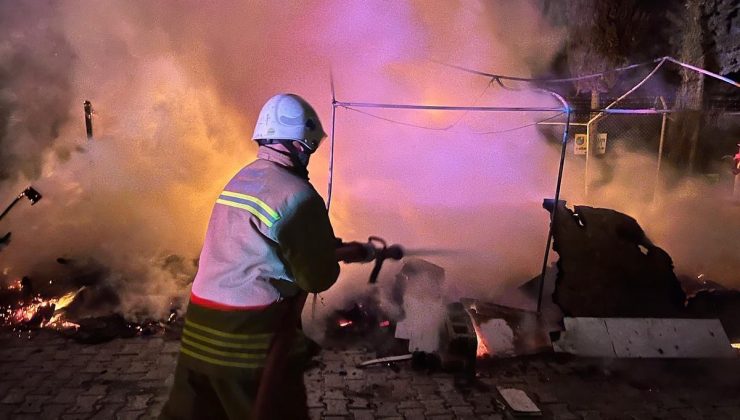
x,y
508,130
545,80
594,75
390,120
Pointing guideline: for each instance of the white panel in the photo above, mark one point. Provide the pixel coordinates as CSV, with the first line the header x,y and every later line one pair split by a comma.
x,y
498,337
644,338
585,337
660,337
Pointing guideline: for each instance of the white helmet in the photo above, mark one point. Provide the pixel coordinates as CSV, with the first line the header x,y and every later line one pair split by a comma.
x,y
289,117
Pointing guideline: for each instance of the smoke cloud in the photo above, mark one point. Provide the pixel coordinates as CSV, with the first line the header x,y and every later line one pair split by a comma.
x,y
176,90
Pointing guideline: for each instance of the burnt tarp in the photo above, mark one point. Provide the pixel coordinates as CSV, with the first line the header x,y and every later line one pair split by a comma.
x,y
609,268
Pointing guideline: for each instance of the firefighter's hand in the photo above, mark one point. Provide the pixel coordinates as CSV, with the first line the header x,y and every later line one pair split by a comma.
x,y
354,252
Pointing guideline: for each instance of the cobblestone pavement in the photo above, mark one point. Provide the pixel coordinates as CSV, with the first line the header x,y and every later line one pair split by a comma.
x,y
52,377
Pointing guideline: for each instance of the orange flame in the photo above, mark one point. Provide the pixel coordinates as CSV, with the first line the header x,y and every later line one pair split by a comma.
x,y
482,349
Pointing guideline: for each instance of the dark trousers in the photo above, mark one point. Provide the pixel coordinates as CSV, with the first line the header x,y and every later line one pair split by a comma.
x,y
195,395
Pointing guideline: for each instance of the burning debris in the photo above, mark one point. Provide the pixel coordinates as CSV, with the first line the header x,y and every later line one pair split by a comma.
x,y
609,268
24,310
34,311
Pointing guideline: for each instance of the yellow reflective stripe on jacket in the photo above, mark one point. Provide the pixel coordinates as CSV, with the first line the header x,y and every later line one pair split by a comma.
x,y
248,208
220,362
264,345
263,336
255,200
234,354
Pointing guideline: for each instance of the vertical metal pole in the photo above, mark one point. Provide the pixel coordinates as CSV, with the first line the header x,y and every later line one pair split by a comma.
x,y
331,154
554,209
88,119
588,156
660,151
736,186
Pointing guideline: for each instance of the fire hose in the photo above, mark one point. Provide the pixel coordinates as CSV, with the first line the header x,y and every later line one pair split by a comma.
x,y
375,249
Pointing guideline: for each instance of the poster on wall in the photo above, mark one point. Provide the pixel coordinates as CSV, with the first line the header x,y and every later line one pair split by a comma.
x,y
579,147
601,144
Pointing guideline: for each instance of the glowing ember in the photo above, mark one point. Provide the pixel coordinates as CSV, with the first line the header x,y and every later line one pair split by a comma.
x,y
344,323
48,312
16,285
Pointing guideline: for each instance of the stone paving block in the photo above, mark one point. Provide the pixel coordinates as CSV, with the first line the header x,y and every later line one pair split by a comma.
x,y
333,380
589,415
50,365
154,343
171,347
95,368
85,404
454,399
6,410
376,378
104,355
52,411
32,404
409,404
67,395
65,372
422,379
79,361
413,413
75,416
333,366
545,397
6,386
490,417
116,395
141,367
432,407
355,385
427,391
336,408
686,414
334,394
732,411
463,411
357,402
154,409
362,415
483,406
386,409
314,400
315,413
138,402
106,411
96,389
15,396
81,379
441,417
130,415
354,373
14,373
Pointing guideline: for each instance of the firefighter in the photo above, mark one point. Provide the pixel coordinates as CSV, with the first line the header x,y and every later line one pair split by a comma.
x,y
269,242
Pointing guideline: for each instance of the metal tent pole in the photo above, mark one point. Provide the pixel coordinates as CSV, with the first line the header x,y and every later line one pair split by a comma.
x,y
554,209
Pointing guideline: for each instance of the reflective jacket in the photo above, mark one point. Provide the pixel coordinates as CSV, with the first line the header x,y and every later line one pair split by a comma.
x,y
269,237
269,233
